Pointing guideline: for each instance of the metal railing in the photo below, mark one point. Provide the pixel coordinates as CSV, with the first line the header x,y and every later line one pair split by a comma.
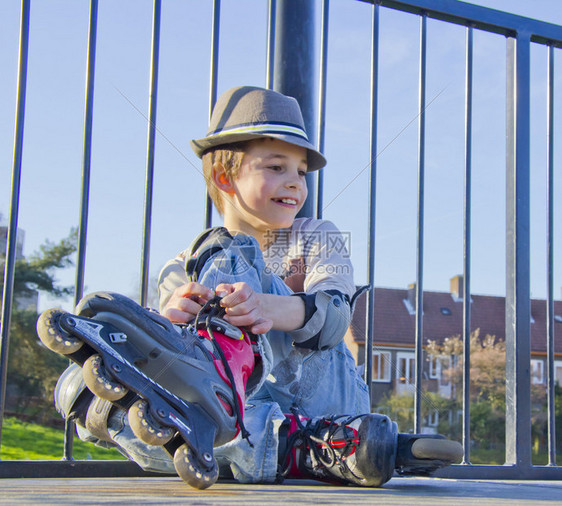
x,y
289,33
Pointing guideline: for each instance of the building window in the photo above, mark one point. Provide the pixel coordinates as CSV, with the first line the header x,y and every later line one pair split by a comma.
x,y
537,372
434,367
381,366
437,366
558,372
432,419
405,370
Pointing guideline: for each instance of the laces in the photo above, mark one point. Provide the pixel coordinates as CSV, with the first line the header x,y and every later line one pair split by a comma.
x,y
328,442
211,309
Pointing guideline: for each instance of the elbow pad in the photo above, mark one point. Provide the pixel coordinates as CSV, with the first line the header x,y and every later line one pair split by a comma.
x,y
327,318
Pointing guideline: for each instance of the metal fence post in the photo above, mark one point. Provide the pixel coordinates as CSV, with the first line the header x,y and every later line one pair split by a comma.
x,y
10,262
213,84
466,310
421,229
294,68
517,301
151,141
85,192
370,295
550,381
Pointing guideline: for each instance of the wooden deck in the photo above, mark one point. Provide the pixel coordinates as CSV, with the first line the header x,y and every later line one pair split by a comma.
x,y
149,491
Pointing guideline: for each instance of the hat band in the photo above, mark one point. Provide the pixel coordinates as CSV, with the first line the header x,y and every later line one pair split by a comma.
x,y
261,129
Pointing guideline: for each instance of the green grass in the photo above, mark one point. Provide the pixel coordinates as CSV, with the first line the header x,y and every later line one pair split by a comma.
x,y
497,457
29,441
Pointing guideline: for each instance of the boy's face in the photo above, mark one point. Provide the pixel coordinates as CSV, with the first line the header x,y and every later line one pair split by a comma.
x,y
270,188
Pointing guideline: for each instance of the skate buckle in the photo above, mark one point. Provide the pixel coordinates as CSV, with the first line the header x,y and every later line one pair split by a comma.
x,y
219,325
118,337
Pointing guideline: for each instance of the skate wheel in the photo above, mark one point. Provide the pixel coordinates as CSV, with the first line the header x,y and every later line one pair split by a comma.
x,y
437,449
53,337
99,382
144,426
190,471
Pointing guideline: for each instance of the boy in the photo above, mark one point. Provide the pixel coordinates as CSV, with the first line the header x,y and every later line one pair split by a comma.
x,y
255,159
289,280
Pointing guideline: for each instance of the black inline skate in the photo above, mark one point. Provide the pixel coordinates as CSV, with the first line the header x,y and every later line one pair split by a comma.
x,y
361,450
183,386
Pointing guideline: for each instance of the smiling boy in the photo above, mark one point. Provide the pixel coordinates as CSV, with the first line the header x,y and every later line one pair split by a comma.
x,y
288,277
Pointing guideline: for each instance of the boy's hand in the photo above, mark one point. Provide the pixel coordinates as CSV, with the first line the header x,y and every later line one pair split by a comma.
x,y
244,307
186,302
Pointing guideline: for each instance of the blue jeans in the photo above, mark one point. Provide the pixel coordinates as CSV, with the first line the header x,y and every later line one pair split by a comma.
x,y
317,383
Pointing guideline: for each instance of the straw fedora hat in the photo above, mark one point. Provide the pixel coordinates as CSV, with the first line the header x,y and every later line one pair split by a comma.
x,y
247,112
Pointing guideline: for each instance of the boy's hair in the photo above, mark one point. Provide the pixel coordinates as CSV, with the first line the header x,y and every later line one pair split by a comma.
x,y
230,157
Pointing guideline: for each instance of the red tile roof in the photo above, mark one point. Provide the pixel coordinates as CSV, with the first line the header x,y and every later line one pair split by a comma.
x,y
394,325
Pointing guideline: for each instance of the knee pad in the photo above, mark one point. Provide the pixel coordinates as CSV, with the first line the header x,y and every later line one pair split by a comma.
x,y
327,317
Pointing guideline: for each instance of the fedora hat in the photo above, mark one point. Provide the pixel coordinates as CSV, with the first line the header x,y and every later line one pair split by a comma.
x,y
247,112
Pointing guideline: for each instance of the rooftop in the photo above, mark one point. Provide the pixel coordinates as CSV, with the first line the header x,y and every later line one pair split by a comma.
x,y
394,318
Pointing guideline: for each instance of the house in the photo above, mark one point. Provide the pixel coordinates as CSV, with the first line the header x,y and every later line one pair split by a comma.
x,y
394,335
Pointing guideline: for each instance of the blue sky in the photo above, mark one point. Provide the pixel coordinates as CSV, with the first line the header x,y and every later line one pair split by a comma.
x,y
53,139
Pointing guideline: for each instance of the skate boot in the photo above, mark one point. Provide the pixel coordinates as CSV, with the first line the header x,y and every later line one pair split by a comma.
x,y
183,386
361,450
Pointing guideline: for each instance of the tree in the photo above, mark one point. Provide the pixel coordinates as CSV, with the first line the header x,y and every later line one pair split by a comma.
x,y
487,383
32,370
400,408
487,366
487,388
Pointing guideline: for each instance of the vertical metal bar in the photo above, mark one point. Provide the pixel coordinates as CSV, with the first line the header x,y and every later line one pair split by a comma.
x,y
270,44
87,155
517,310
420,232
150,150
295,26
370,313
550,260
213,88
86,165
10,262
467,245
322,103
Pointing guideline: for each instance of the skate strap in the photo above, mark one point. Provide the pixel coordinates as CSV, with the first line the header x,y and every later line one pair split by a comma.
x,y
96,418
207,244
213,241
211,309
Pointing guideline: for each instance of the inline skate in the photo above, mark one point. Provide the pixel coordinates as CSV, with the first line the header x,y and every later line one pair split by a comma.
x,y
183,387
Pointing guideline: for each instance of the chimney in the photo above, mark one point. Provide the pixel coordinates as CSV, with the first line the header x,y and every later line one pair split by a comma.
x,y
412,295
457,287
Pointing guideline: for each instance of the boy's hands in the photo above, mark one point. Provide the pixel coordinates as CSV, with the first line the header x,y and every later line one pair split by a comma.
x,y
244,307
186,302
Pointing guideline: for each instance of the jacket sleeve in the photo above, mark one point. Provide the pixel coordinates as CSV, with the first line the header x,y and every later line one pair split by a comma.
x,y
171,276
328,286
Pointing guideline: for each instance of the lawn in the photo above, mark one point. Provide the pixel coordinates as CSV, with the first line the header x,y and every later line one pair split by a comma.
x,y
28,441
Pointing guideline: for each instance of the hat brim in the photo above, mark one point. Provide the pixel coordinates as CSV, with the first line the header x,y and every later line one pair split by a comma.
x,y
315,159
